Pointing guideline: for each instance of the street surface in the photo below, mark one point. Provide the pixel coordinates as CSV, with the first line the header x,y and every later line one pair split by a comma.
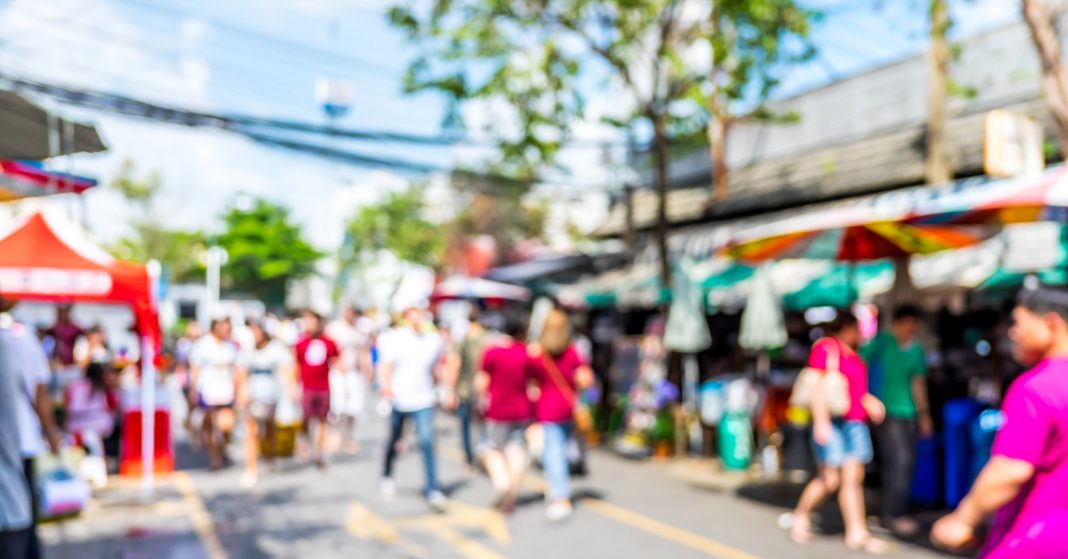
x,y
625,509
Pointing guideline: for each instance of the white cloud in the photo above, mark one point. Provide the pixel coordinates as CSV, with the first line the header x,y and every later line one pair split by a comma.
x,y
193,31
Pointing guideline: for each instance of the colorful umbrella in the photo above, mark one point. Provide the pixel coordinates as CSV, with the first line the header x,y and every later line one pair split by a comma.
x,y
23,179
921,220
464,288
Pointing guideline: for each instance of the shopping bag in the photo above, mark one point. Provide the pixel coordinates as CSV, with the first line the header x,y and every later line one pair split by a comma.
x,y
62,493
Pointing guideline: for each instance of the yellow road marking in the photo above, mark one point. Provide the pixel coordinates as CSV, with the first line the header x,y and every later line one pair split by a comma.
x,y
532,482
666,531
365,525
202,522
467,547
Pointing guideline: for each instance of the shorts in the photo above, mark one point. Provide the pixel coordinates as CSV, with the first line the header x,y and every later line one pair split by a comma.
x,y
850,442
212,407
496,435
262,411
316,404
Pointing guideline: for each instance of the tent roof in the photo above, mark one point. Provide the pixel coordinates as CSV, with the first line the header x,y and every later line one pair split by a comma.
x,y
43,256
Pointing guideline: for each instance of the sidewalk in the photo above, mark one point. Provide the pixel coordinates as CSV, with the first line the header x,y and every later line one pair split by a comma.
x,y
120,523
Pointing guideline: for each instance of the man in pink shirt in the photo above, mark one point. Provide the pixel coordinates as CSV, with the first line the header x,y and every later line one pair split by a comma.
x,y
1025,484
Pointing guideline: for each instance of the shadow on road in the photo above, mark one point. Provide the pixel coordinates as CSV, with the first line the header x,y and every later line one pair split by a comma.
x,y
784,495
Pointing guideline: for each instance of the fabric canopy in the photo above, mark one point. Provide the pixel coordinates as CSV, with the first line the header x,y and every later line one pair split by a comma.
x,y
44,257
26,130
23,179
921,220
465,288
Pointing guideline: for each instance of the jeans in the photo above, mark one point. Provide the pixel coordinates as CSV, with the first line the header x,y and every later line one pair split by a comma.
x,y
554,460
464,411
897,440
424,431
15,543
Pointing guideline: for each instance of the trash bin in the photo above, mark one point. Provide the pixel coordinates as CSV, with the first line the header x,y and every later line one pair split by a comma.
x,y
736,440
958,417
927,483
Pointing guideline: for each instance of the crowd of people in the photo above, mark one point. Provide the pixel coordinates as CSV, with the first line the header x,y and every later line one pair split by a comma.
x,y
522,394
521,383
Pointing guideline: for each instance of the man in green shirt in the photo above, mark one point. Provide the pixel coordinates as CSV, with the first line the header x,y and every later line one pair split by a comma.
x,y
897,375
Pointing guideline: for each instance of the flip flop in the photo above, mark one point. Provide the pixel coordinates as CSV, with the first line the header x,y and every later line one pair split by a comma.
x,y
871,545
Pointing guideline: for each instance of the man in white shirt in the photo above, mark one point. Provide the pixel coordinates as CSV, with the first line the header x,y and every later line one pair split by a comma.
x,y
348,384
25,358
410,357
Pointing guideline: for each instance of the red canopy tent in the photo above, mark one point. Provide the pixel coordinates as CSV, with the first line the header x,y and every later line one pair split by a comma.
x,y
44,257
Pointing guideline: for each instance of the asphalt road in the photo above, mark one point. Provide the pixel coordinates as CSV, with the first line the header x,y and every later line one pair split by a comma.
x,y
625,509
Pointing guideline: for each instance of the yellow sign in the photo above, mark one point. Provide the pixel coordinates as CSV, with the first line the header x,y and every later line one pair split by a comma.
x,y
1012,145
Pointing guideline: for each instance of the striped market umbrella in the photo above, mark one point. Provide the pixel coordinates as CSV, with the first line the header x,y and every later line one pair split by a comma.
x,y
24,179
464,288
921,220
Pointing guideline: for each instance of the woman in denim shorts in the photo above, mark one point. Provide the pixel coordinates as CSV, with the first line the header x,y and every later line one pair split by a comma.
x,y
842,444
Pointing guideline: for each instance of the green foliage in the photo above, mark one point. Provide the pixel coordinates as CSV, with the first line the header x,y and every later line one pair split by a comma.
x,y
176,250
396,223
266,250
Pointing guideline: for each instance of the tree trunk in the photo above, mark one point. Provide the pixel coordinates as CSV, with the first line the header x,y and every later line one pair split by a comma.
x,y
717,136
628,206
1055,77
660,154
937,168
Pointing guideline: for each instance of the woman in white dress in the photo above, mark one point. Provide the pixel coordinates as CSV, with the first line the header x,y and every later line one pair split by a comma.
x,y
269,366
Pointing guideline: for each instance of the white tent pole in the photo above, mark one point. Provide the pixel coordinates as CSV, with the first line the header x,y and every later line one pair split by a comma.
x,y
148,393
148,415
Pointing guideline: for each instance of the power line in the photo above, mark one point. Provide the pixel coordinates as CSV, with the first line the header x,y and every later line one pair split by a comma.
x,y
273,39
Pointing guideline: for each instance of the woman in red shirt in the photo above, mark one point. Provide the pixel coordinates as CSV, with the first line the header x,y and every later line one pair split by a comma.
x,y
554,365
503,383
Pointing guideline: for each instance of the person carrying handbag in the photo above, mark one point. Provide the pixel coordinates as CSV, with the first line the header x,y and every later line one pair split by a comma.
x,y
559,373
841,439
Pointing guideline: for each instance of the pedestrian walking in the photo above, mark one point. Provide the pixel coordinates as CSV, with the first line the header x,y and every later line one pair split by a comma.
x,y
36,412
16,508
469,353
559,373
1023,484
503,384
843,444
410,361
898,369
352,334
183,351
316,356
215,362
270,377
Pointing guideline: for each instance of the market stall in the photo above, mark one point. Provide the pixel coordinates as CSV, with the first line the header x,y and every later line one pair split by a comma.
x,y
44,257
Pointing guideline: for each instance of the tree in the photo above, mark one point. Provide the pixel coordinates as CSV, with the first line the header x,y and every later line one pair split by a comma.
x,y
751,41
937,169
397,224
540,56
1039,16
175,249
266,251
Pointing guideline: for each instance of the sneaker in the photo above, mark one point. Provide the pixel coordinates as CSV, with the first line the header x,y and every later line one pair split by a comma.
x,y
437,501
387,489
559,512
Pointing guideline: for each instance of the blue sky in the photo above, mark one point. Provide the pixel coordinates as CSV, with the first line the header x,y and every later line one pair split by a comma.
x,y
264,57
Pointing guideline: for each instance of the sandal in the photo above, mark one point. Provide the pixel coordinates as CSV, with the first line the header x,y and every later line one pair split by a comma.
x,y
870,544
800,532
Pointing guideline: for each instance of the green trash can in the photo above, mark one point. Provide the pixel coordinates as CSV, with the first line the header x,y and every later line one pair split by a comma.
x,y
736,440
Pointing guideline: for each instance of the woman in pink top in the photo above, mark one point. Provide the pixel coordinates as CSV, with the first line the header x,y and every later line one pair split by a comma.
x,y
503,383
559,373
842,444
1025,484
